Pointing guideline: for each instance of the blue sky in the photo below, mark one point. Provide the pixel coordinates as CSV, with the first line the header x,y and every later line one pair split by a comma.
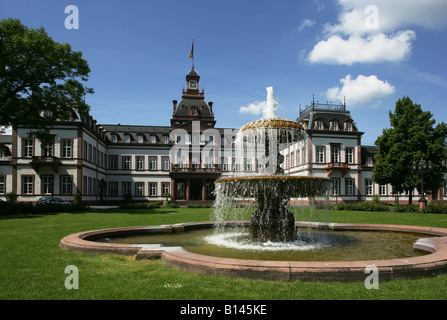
x,y
371,52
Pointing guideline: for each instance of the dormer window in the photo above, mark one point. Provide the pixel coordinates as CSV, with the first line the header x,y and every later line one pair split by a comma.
x,y
153,139
140,139
348,126
127,138
193,111
319,125
335,125
114,138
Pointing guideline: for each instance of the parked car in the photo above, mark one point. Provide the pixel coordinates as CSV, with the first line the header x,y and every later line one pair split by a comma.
x,y
51,200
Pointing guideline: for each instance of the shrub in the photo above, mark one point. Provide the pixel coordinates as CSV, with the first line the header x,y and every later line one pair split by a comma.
x,y
436,208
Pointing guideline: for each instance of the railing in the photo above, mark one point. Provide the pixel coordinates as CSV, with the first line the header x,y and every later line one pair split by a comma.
x,y
194,168
323,106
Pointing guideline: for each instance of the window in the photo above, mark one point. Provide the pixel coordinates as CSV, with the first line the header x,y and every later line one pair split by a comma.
x,y
209,188
2,184
139,189
27,184
47,184
84,151
153,139
84,185
114,138
335,151
89,186
445,187
382,189
113,188
349,187
140,139
369,161
66,148
165,187
66,185
180,189
152,189
292,159
334,125
113,162
320,125
126,162
139,163
349,155
348,126
320,154
152,163
165,163
126,138
126,188
369,189
335,188
27,147
165,139
47,149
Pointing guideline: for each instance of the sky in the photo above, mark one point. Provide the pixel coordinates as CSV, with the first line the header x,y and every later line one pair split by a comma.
x,y
369,52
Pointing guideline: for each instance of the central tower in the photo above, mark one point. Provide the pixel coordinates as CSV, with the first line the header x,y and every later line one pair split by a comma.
x,y
193,106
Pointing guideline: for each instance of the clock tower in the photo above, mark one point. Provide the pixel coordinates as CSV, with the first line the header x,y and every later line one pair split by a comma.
x,y
193,106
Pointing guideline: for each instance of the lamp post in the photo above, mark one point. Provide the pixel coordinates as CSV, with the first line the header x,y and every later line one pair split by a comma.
x,y
421,167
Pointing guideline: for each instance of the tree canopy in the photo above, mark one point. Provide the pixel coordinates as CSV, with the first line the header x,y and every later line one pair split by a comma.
x,y
37,75
414,135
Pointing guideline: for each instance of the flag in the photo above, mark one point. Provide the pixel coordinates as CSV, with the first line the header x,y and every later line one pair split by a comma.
x,y
192,50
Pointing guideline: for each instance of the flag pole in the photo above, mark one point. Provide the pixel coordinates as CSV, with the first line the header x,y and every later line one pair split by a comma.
x,y
191,55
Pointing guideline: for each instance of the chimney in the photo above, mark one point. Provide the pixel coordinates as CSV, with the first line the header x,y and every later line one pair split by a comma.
x,y
174,104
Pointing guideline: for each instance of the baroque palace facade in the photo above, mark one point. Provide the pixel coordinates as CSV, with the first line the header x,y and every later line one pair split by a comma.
x,y
111,162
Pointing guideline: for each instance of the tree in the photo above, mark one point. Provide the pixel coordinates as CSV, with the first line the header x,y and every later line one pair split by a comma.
x,y
413,136
40,79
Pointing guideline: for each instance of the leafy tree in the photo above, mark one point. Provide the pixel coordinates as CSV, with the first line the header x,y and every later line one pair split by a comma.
x,y
413,136
38,74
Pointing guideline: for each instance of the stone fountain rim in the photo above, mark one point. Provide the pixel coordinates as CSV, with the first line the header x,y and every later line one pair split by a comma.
x,y
271,123
433,263
272,177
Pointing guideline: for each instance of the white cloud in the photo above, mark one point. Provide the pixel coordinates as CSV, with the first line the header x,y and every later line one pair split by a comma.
x,y
376,48
255,108
363,89
391,15
371,33
306,23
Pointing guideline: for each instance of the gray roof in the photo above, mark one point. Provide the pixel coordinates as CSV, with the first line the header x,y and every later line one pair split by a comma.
x,y
184,106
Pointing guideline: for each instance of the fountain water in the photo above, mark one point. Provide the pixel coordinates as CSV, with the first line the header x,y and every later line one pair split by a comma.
x,y
263,140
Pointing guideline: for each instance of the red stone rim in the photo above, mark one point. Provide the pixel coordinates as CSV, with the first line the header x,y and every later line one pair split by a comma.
x,y
433,263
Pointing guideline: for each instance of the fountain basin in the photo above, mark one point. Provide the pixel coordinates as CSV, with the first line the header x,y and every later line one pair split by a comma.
x,y
433,263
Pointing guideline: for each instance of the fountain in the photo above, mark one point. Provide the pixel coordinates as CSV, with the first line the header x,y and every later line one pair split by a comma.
x,y
272,226
263,139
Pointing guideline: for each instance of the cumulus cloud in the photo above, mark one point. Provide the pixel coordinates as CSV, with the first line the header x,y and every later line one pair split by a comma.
x,y
362,89
368,33
376,48
255,108
355,15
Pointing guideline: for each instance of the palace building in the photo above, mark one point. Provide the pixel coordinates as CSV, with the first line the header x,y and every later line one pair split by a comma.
x,y
114,162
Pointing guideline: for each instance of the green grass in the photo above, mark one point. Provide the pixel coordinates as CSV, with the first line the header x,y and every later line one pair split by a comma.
x,y
32,264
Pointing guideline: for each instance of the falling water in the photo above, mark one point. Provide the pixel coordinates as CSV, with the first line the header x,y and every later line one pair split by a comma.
x,y
262,193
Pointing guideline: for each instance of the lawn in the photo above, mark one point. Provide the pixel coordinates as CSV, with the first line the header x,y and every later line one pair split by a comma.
x,y
32,265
